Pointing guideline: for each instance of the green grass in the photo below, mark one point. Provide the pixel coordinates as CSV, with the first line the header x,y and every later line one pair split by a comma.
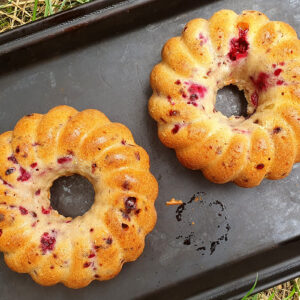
x,y
15,13
251,290
289,290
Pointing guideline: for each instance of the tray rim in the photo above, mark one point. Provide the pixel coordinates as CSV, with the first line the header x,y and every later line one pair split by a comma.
x,y
73,19
55,19
64,22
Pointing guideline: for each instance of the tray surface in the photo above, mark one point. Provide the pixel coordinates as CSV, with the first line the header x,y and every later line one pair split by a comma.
x,y
112,74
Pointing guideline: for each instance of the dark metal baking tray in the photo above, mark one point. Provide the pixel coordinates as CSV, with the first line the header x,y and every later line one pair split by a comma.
x,y
100,56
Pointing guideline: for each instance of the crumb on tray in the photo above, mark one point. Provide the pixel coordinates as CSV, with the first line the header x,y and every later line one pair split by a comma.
x,y
173,201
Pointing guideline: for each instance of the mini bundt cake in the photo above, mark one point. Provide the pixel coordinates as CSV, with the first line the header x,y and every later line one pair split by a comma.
x,y
52,248
260,57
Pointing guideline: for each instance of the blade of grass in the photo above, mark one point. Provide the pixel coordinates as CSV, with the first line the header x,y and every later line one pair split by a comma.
x,y
62,5
296,286
34,10
272,296
252,289
291,294
82,1
50,7
46,8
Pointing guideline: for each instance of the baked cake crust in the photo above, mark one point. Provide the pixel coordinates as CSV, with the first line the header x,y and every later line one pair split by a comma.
x,y
52,248
261,57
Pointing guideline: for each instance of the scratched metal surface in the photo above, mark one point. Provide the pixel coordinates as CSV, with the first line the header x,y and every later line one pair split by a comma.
x,y
112,75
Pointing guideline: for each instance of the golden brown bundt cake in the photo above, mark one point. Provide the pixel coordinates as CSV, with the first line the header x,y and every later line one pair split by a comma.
x,y
50,247
260,57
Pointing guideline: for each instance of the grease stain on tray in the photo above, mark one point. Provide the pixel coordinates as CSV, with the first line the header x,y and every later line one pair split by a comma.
x,y
205,239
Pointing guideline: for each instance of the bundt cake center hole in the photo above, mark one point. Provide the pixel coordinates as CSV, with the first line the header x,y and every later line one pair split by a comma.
x,y
72,196
231,101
